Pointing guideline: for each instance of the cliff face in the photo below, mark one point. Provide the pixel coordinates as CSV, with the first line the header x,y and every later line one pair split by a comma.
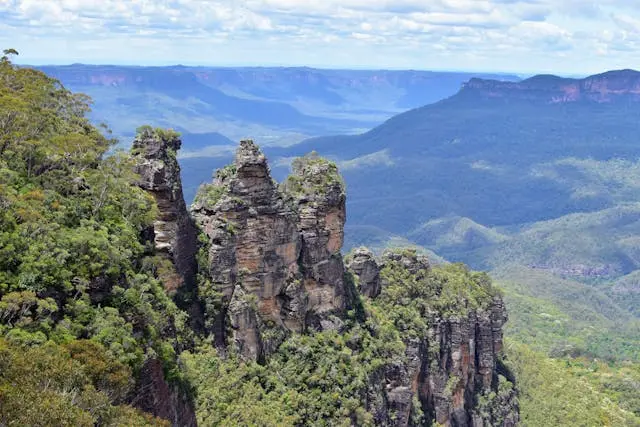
x,y
174,237
174,233
270,266
154,395
454,372
316,191
274,257
613,86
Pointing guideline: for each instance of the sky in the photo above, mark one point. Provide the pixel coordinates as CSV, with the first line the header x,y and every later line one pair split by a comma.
x,y
570,37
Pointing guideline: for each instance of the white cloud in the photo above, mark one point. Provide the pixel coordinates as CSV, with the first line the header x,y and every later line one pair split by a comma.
x,y
526,35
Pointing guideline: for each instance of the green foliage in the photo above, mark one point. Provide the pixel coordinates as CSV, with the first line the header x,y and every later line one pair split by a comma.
x,y
226,172
318,379
209,194
449,290
8,52
620,380
73,385
563,317
552,395
73,264
147,131
312,176
232,393
323,378
209,294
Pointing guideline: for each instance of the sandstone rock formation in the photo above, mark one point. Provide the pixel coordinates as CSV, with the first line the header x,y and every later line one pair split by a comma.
x,y
270,265
174,231
363,264
154,395
273,257
609,87
451,370
174,237
317,192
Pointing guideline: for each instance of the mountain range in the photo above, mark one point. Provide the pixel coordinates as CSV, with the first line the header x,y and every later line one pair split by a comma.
x,y
499,154
275,105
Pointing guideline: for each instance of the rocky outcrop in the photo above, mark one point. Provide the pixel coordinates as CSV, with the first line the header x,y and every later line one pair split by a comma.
x,y
154,395
316,191
365,268
280,252
175,240
454,372
273,262
174,233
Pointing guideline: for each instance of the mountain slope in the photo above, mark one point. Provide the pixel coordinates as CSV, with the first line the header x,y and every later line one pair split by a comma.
x,y
478,153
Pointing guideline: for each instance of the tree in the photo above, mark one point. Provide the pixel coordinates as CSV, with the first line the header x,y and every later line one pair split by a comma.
x,y
7,53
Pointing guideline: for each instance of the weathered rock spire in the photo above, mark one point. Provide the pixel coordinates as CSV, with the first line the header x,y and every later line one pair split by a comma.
x,y
174,232
274,255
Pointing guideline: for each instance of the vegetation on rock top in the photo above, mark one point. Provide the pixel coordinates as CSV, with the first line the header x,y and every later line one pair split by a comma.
x,y
313,176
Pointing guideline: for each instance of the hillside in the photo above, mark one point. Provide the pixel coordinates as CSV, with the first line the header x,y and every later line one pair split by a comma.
x,y
479,153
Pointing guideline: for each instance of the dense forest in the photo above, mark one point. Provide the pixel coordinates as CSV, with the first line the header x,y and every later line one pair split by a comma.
x,y
89,310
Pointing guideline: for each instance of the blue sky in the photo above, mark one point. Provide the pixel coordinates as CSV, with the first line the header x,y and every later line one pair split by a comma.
x,y
559,36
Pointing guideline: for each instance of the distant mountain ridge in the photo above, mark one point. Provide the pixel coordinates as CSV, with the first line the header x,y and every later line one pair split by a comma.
x,y
308,81
275,105
607,87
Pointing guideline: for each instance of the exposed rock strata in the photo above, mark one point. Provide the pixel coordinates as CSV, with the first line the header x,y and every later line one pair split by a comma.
x,y
363,264
174,231
609,87
273,262
154,395
449,371
281,252
317,193
174,237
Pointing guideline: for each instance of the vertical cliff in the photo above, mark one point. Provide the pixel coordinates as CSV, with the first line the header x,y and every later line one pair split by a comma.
x,y
174,233
317,193
175,239
156,396
452,369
